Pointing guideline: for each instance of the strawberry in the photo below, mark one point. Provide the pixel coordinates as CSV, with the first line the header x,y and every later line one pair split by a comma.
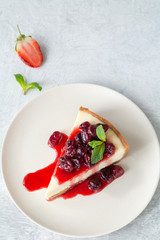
x,y
29,50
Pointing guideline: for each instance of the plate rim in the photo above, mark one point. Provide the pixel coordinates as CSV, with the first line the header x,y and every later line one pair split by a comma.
x,y
23,109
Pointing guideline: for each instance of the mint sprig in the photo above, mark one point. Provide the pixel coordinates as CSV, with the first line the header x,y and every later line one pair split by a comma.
x,y
101,133
94,143
26,86
97,153
98,146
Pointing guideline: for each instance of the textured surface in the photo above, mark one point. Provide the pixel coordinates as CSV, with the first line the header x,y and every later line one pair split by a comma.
x,y
111,43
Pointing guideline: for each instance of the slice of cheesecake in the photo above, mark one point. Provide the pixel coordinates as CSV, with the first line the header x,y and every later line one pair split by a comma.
x,y
75,164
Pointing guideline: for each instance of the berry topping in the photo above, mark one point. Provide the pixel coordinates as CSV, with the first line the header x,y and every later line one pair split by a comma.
x,y
55,139
107,174
78,138
85,137
84,125
94,184
109,149
78,163
92,131
89,148
66,164
70,148
70,151
117,171
87,160
105,127
70,142
81,150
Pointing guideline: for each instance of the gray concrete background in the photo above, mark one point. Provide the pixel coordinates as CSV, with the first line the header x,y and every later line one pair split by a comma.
x,y
112,43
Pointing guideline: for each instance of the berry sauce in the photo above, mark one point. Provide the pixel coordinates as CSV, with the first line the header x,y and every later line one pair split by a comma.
x,y
83,189
41,178
74,157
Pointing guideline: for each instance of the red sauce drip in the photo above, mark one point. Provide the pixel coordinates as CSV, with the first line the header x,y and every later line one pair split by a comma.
x,y
82,188
41,178
74,132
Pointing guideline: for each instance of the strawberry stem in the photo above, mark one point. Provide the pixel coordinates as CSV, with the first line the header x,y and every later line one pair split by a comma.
x,y
19,30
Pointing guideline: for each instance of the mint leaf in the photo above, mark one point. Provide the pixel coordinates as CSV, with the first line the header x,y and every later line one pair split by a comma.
x,y
20,80
98,146
97,153
95,143
26,86
33,85
101,133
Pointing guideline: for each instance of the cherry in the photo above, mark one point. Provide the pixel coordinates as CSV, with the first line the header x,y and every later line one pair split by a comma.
x,y
70,142
117,171
70,151
70,148
78,163
78,138
55,138
81,150
92,131
107,174
87,160
66,164
105,127
85,136
89,148
84,125
94,184
109,149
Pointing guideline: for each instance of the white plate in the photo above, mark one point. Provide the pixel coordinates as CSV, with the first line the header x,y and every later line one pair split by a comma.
x,y
25,150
